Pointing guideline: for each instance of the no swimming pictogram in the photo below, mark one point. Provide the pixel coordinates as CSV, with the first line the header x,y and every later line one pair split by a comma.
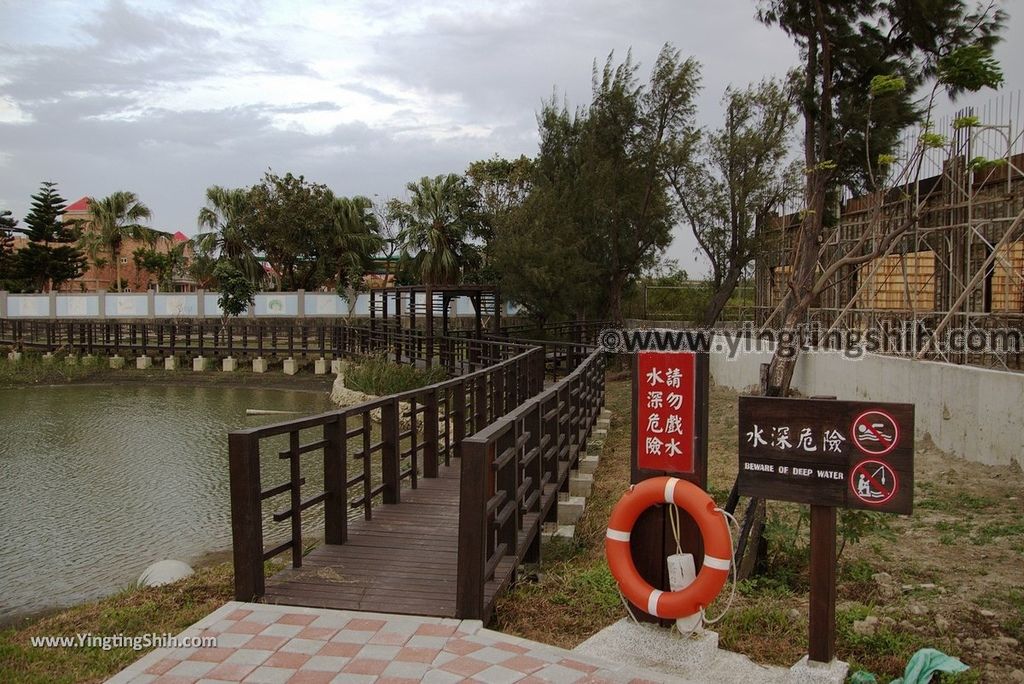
x,y
875,432
873,482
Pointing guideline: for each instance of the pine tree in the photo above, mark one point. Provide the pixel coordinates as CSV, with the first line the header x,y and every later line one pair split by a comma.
x,y
51,258
8,277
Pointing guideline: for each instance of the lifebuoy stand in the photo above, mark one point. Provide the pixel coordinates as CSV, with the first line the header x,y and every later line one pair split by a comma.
x,y
652,541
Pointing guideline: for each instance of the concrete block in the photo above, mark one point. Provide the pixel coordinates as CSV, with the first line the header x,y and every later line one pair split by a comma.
x,y
656,648
229,365
171,363
605,414
599,434
290,366
336,366
580,484
588,464
320,367
562,532
71,360
198,364
570,510
603,423
144,362
259,365
14,356
117,362
811,672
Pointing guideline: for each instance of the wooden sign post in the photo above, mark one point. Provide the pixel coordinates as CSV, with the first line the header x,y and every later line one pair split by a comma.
x,y
829,454
670,427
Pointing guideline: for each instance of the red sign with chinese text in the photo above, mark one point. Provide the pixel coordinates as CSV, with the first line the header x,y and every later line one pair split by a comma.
x,y
666,411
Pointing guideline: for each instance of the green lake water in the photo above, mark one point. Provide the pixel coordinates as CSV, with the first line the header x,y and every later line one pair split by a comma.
x,y
97,482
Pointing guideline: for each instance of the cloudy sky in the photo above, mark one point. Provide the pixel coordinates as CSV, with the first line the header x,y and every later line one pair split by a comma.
x,y
167,98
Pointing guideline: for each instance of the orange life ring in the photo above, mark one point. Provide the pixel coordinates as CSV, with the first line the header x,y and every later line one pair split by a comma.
x,y
713,528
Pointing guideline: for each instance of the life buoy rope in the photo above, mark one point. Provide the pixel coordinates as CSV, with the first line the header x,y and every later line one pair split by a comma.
x,y
713,528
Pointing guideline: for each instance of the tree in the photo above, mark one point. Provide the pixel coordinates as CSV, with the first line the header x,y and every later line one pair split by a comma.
x,y
599,194
499,186
844,47
223,232
50,258
164,265
287,219
736,183
113,220
8,276
352,240
237,292
436,224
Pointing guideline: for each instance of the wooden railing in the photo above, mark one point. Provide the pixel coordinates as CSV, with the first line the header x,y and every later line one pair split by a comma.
x,y
317,338
511,474
367,452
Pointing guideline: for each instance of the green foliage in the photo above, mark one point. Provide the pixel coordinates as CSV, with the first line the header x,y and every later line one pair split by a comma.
x,y
379,376
114,219
886,159
437,223
51,258
237,292
598,210
966,122
887,84
165,265
8,276
931,140
984,164
970,68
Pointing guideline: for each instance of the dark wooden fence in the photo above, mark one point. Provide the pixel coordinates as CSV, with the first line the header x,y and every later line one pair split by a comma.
x,y
311,338
511,474
366,453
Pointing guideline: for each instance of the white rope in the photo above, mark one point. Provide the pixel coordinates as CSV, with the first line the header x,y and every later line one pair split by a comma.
x,y
673,516
626,603
732,594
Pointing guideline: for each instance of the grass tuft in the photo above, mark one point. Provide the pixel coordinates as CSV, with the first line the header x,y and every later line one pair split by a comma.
x,y
379,376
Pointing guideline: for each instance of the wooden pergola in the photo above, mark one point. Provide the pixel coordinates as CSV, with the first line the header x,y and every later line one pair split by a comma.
x,y
408,304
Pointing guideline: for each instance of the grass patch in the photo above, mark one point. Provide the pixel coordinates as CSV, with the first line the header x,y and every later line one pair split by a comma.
x,y
33,369
135,611
379,376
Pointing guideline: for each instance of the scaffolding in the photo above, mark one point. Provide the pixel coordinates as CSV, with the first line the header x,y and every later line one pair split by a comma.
x,y
958,268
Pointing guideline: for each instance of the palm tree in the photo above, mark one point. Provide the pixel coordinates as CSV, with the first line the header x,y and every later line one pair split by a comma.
x,y
225,236
435,222
116,218
354,239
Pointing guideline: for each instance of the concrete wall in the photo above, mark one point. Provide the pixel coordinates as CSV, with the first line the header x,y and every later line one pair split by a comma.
x,y
974,413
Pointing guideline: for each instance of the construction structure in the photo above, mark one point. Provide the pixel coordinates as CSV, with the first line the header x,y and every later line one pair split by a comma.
x,y
957,267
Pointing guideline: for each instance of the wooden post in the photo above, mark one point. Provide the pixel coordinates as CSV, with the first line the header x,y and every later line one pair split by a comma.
x,y
822,624
335,478
390,463
246,518
469,597
430,434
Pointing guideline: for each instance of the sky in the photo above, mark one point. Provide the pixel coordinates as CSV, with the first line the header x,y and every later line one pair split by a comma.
x,y
168,98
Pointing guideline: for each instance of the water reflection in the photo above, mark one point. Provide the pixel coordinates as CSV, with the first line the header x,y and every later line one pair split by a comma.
x,y
98,482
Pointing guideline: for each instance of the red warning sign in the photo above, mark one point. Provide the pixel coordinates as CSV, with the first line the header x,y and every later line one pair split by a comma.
x,y
875,432
873,482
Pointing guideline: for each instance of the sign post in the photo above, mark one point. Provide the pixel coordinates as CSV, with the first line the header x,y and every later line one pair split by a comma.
x,y
669,419
828,454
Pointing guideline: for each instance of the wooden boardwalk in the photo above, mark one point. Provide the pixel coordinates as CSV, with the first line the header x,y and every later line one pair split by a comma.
x,y
403,560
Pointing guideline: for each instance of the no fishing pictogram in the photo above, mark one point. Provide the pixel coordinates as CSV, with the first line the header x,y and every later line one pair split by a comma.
x,y
873,482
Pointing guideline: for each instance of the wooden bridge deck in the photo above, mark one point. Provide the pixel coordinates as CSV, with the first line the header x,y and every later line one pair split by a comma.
x,y
403,560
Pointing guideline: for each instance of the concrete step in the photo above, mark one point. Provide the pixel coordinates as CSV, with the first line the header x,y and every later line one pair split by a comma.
x,y
580,484
570,510
588,464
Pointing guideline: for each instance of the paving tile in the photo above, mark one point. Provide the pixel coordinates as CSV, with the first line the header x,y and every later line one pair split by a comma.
x,y
331,620
405,669
436,630
307,646
377,652
321,633
302,619
281,630
311,677
524,663
324,663
496,674
270,675
233,640
441,677
230,672
212,655
248,656
352,636
245,627
389,638
420,641
492,655
191,668
465,666
365,666
365,625
559,674
336,649
263,617
514,648
398,680
263,642
238,614
577,665
287,659
411,654
349,678
161,666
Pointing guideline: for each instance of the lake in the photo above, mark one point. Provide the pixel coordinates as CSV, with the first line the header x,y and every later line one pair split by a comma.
x,y
97,482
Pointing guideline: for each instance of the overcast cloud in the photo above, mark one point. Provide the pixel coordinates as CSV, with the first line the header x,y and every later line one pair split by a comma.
x,y
168,98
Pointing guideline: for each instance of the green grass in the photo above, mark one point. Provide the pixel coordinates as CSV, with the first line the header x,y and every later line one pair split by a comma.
x,y
379,376
135,611
33,369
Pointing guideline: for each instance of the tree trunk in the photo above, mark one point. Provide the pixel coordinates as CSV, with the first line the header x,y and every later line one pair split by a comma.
x,y
115,254
615,298
721,297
